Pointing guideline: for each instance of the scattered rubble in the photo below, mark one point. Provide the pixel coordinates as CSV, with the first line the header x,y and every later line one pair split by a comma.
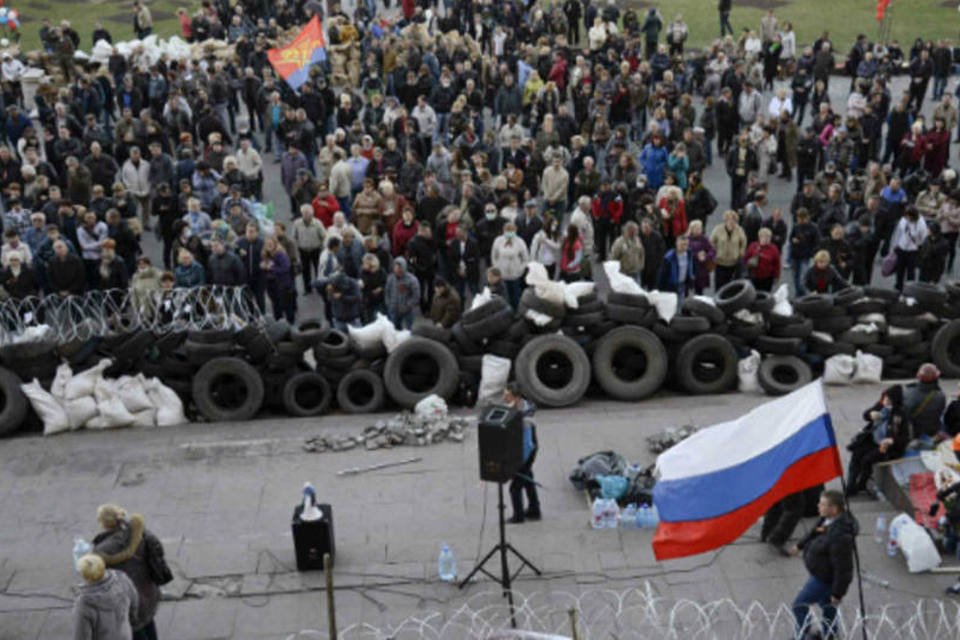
x,y
662,441
404,429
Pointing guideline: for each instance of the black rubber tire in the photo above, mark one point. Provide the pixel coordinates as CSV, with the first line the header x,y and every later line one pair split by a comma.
x,y
859,338
248,333
518,330
586,308
290,349
602,329
259,348
307,338
530,300
13,403
630,363
927,294
735,295
588,298
881,350
946,349
918,350
798,330
689,324
827,349
467,345
426,329
339,363
867,305
707,364
307,394
199,353
486,309
890,295
20,351
777,320
904,339
334,344
763,303
176,366
503,349
901,308
953,290
668,334
631,315
228,390
779,346
779,375
908,322
167,342
553,370
814,305
473,364
440,379
374,352
634,300
277,330
748,332
833,324
585,320
847,295
211,336
361,391
492,326
695,307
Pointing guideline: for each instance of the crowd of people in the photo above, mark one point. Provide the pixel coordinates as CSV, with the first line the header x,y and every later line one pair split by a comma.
x,y
452,164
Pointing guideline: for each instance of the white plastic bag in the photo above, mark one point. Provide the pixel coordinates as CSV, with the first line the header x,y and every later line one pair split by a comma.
x,y
51,413
839,369
59,387
369,336
85,382
168,403
917,547
666,303
132,394
112,412
393,339
481,298
494,374
537,318
869,369
80,411
433,407
543,286
145,418
38,333
781,301
747,372
580,289
619,282
745,315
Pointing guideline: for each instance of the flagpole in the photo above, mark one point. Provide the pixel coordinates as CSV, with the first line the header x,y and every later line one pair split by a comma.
x,y
856,558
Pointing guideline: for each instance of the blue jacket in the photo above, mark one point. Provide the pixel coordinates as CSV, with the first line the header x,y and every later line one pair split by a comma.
x,y
529,430
654,161
192,276
670,272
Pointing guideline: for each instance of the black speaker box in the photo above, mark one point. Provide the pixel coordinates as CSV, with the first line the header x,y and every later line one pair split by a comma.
x,y
500,443
311,540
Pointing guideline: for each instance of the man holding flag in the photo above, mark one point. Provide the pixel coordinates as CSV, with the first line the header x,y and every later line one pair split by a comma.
x,y
714,485
293,62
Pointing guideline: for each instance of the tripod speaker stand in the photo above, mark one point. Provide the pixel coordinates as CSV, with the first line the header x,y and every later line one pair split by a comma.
x,y
502,547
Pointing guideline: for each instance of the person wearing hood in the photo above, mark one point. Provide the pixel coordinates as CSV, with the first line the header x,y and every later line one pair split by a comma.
x,y
402,295
344,296
925,402
106,603
884,437
828,557
126,545
523,481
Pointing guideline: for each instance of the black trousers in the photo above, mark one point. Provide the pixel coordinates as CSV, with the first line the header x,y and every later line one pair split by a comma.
x,y
310,259
862,460
523,482
722,275
782,518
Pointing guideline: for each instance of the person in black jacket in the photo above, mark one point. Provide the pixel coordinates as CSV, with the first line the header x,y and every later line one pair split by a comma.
x,y
823,277
224,267
18,279
463,262
66,272
828,557
884,437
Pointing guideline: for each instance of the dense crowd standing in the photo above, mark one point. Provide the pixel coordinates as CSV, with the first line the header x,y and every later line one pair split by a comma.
x,y
568,135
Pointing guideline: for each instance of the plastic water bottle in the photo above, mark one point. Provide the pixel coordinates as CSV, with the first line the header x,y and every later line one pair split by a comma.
x,y
80,548
447,565
643,516
654,516
893,541
628,519
881,530
310,512
596,513
611,514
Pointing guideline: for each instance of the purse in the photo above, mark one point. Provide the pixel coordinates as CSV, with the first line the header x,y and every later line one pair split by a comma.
x,y
889,264
157,566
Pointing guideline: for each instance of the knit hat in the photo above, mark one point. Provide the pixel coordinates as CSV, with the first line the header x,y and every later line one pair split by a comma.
x,y
928,372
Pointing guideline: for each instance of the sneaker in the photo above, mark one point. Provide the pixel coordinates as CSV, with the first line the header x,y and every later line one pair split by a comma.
x,y
953,589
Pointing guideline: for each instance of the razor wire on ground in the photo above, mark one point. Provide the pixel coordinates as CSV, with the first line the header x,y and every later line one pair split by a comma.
x,y
641,614
100,313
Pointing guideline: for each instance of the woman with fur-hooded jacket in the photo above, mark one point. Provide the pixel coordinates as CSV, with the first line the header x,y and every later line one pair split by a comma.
x,y
124,544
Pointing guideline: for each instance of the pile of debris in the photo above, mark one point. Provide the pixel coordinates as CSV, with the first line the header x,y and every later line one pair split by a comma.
x,y
662,441
404,429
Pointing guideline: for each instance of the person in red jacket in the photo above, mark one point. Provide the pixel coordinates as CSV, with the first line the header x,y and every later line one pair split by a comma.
x,y
324,204
763,261
606,209
558,72
673,213
403,231
938,148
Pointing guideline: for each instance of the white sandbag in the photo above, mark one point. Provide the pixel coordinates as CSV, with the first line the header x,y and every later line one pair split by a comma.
x,y
80,411
581,288
917,547
747,370
869,369
666,303
38,333
51,413
748,317
494,374
85,382
59,387
393,339
433,407
781,301
112,412
825,337
481,298
145,418
537,318
543,286
132,394
839,369
168,403
369,336
619,282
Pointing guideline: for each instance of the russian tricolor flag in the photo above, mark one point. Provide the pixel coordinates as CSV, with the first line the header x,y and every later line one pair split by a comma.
x,y
715,484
